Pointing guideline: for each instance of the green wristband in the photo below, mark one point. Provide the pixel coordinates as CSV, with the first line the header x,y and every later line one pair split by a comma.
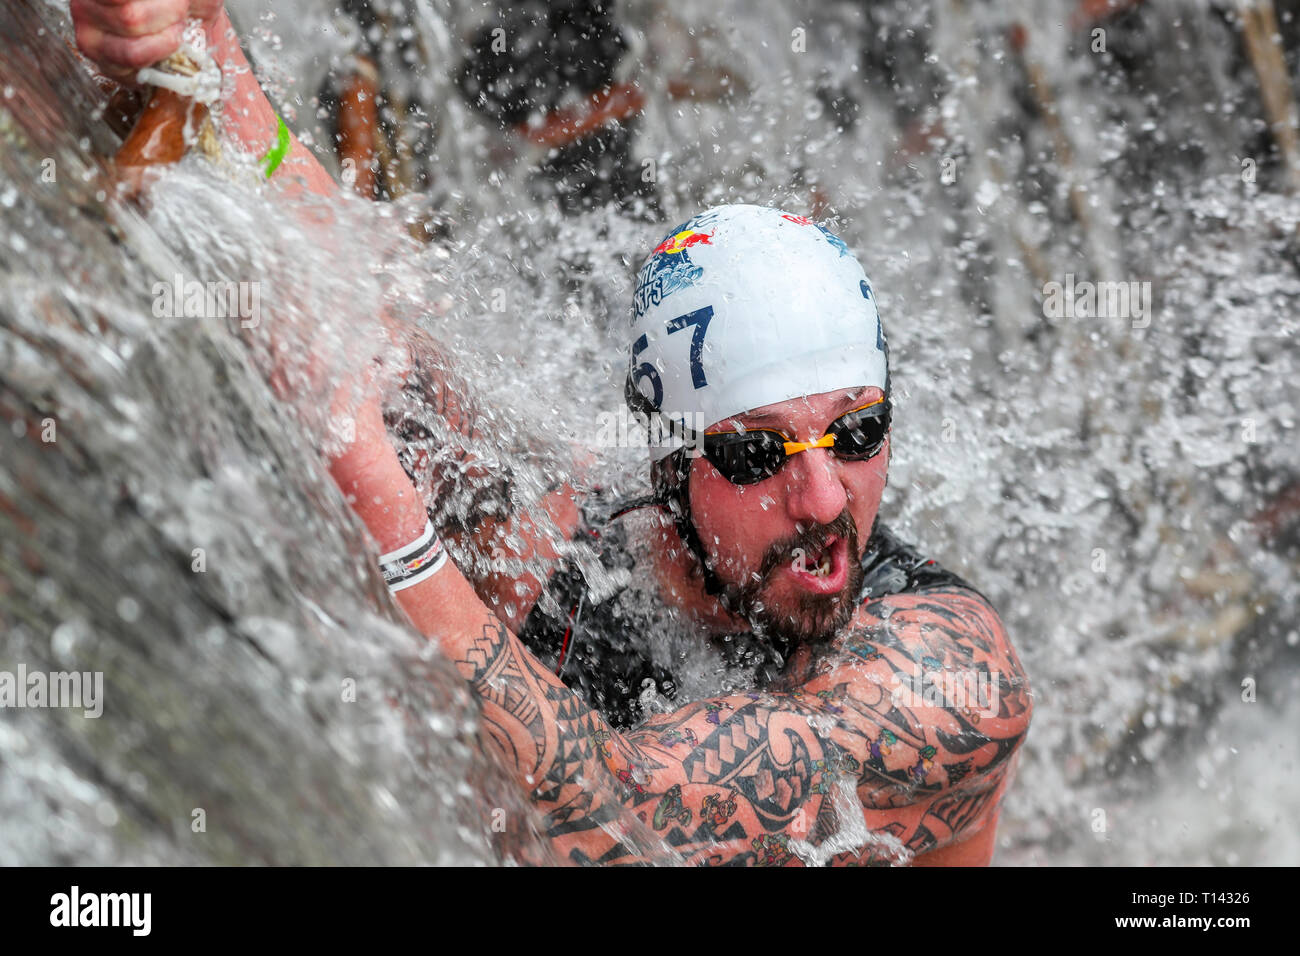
x,y
275,155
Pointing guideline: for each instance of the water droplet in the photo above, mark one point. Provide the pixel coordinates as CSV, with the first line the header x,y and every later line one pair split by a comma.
x,y
106,813
128,609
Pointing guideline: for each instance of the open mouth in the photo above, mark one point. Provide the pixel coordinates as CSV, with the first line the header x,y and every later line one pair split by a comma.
x,y
825,570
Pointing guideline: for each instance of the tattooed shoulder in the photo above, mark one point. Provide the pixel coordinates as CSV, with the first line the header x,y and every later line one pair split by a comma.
x,y
900,742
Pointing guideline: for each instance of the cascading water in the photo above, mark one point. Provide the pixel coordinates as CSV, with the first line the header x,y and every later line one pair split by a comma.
x,y
1122,488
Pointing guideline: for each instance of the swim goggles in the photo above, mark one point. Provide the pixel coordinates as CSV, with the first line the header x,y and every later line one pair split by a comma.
x,y
757,454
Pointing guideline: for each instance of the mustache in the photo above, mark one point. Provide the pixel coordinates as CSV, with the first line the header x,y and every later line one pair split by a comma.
x,y
810,541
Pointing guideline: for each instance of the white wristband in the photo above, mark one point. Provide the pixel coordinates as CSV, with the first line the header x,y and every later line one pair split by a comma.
x,y
413,563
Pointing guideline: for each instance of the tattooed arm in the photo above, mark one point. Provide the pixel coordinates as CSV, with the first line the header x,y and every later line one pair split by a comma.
x,y
847,765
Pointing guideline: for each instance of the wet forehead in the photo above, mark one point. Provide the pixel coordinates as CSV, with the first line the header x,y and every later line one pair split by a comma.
x,y
808,412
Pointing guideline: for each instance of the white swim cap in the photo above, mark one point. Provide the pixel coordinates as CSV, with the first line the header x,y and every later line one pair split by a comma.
x,y
744,306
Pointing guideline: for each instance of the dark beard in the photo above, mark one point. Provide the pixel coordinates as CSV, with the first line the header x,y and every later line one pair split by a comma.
x,y
815,618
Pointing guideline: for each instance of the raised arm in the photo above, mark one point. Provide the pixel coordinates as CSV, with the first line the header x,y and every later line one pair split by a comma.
x,y
122,36
440,430
840,767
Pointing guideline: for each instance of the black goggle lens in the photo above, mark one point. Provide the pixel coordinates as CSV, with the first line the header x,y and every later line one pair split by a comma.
x,y
748,458
860,434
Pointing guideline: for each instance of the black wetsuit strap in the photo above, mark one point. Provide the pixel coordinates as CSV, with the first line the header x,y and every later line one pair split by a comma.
x,y
892,567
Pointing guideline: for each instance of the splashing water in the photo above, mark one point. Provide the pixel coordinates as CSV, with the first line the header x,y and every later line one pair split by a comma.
x,y
1117,486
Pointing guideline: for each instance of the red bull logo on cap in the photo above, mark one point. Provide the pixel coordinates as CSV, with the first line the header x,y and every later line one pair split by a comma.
x,y
669,268
681,241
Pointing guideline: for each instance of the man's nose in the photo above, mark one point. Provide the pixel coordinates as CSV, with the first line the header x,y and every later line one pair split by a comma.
x,y
815,493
